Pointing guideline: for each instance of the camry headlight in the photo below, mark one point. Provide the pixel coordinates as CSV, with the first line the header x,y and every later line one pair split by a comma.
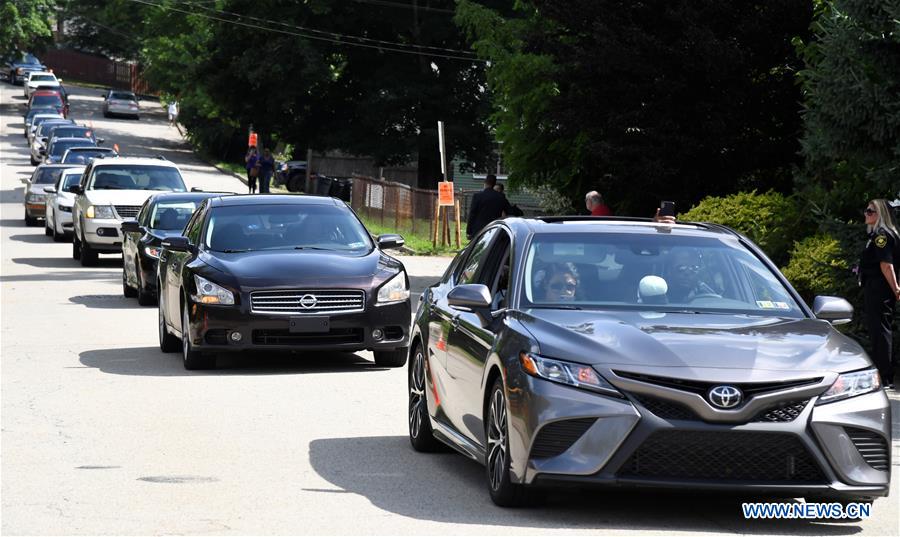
x,y
395,290
210,293
577,375
851,385
153,251
100,211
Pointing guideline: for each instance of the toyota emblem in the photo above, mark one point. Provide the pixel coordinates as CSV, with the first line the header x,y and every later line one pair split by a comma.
x,y
725,396
308,301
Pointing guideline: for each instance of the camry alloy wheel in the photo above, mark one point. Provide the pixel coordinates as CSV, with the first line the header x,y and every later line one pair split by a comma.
x,y
496,439
417,403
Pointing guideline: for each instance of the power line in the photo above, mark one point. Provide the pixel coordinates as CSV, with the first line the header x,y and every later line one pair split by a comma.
x,y
338,40
405,6
329,33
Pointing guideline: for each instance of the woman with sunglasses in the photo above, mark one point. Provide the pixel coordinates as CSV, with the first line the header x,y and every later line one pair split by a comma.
x,y
878,274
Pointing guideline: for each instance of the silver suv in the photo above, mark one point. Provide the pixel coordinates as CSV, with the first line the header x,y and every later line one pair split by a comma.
x,y
113,190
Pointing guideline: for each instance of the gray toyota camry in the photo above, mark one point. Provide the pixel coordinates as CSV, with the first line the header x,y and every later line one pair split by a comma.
x,y
623,352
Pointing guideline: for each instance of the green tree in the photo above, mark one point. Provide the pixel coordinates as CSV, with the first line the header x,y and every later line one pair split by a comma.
x,y
644,100
25,25
114,28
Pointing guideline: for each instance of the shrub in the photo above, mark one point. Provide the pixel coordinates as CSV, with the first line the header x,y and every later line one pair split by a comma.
x,y
771,220
818,266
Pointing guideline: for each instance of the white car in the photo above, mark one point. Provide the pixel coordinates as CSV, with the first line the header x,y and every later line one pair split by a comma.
x,y
39,78
60,199
112,190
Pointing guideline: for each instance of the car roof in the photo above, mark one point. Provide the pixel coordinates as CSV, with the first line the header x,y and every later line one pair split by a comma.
x,y
32,73
185,196
274,199
613,224
76,168
135,161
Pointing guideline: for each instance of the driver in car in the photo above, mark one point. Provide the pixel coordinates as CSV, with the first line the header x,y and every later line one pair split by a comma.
x,y
561,283
684,283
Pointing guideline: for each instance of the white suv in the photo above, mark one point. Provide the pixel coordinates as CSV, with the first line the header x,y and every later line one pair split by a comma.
x,y
39,78
112,190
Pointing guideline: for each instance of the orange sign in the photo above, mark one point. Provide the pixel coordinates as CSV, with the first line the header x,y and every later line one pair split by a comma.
x,y
251,141
445,194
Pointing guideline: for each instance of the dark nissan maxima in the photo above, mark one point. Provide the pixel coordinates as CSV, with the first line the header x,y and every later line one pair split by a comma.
x,y
281,272
162,215
615,352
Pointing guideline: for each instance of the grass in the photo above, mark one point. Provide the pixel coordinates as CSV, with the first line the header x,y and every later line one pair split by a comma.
x,y
419,242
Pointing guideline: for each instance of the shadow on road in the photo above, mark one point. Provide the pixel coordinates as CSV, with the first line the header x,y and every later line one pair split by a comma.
x,y
16,195
449,488
150,361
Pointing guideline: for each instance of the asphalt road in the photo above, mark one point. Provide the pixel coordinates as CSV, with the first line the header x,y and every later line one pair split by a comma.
x,y
104,434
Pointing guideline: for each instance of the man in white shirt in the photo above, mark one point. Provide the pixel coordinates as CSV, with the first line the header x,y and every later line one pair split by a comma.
x,y
173,112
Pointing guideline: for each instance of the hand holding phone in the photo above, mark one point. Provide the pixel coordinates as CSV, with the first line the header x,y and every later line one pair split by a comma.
x,y
667,208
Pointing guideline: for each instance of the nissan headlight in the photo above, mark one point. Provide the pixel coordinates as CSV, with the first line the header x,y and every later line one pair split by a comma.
x,y
100,211
572,374
852,384
210,293
395,290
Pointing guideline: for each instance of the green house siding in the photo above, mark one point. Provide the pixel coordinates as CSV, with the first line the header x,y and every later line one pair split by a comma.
x,y
470,181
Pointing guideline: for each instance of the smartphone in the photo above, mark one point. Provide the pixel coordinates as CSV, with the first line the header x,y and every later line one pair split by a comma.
x,y
667,208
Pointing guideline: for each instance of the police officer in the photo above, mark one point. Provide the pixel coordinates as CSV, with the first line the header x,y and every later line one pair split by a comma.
x,y
878,271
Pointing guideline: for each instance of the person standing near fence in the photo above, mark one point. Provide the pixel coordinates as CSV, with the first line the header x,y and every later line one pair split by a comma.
x,y
266,169
487,206
251,161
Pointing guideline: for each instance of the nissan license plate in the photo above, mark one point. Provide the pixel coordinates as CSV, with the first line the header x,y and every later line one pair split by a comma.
x,y
309,325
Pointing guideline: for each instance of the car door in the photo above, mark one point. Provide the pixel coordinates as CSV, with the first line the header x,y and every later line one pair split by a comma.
x,y
468,272
174,263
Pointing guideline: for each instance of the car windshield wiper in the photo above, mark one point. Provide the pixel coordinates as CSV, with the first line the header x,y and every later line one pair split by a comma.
x,y
235,250
556,307
312,248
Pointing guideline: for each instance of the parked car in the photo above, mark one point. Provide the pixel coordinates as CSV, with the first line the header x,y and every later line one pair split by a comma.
x,y
121,103
162,215
35,111
60,198
57,147
83,155
20,64
280,272
35,197
44,79
628,353
111,191
51,98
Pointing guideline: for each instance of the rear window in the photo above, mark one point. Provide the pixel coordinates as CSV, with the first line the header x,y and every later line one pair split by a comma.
x,y
46,176
46,100
83,156
59,147
73,132
137,177
122,96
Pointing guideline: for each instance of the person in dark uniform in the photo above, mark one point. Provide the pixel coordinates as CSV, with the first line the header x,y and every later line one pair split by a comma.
x,y
878,274
487,206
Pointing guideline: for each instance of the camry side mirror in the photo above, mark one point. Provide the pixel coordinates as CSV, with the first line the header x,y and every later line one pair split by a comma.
x,y
177,244
472,297
50,189
390,240
834,309
131,226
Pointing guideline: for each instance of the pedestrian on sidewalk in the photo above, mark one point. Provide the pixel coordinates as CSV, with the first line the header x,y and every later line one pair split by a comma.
x,y
173,112
266,169
252,161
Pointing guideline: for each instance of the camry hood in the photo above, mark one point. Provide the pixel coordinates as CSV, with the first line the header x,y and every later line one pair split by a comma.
x,y
648,341
119,197
301,268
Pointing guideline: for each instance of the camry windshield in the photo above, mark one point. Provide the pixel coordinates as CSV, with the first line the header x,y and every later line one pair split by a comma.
x,y
286,227
137,177
171,215
651,272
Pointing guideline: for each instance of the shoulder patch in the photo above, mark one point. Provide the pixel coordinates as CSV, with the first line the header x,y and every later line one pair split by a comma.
x,y
881,241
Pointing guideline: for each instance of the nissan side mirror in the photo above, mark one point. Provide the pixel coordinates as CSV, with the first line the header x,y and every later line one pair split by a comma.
x,y
131,226
50,189
833,309
474,298
177,244
390,240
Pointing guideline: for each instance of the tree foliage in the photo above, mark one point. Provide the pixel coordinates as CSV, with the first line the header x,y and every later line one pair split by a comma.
x,y
644,100
25,25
